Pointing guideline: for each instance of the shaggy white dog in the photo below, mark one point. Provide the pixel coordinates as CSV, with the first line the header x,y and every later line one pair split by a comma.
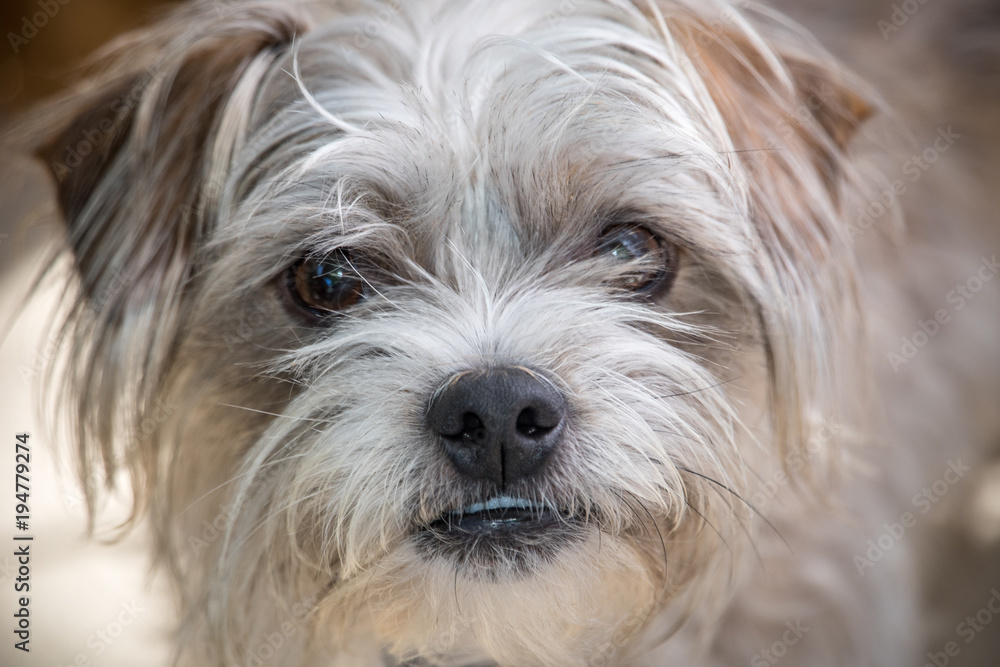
x,y
514,332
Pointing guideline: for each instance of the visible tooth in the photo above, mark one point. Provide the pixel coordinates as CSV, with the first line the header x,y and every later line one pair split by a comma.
x,y
500,502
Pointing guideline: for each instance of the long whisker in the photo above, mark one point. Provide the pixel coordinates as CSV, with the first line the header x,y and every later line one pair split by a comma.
x,y
742,500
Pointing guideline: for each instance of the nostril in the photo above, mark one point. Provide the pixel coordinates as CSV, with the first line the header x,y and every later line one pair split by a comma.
x,y
472,430
527,424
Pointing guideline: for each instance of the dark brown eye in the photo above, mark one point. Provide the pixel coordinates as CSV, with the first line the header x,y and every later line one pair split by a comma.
x,y
645,264
326,284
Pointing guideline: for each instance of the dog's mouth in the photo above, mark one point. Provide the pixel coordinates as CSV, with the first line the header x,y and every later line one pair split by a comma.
x,y
503,535
502,513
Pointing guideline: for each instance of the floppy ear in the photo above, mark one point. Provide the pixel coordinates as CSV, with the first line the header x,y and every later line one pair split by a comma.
x,y
131,149
135,153
775,88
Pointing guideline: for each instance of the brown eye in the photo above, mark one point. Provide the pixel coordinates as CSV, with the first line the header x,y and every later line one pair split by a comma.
x,y
646,264
326,284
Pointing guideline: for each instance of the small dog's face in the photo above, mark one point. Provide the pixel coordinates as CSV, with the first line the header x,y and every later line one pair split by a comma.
x,y
473,324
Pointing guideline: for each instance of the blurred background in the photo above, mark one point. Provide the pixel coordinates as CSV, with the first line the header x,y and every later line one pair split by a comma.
x,y
54,46
95,605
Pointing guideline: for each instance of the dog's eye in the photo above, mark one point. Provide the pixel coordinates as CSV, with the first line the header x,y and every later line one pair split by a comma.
x,y
650,264
326,284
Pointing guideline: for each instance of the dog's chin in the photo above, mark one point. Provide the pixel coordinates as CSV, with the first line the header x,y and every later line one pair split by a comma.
x,y
509,588
501,537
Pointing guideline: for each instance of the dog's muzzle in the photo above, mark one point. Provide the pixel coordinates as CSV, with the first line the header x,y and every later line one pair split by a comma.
x,y
499,429
499,425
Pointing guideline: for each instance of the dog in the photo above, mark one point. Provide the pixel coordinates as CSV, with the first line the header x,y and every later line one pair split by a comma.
x,y
492,333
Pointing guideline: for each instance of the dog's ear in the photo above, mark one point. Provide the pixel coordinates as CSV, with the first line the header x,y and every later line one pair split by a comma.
x,y
79,155
837,105
132,148
135,151
776,89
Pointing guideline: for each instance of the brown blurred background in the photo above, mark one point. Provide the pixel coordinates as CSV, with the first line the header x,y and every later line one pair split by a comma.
x,y
45,62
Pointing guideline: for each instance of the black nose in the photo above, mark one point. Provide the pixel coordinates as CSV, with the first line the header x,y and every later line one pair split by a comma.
x,y
499,424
